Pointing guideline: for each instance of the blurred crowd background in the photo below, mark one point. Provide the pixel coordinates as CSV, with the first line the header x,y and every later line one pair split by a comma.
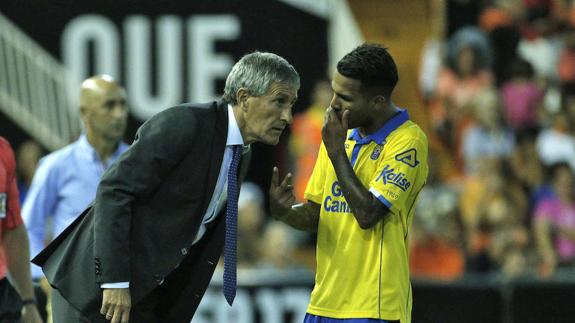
x,y
499,91
497,84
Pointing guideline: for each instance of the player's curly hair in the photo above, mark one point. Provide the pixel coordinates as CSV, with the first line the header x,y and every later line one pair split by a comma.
x,y
372,65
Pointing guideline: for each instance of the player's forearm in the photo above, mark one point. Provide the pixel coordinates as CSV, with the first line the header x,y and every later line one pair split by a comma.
x,y
18,256
303,216
366,209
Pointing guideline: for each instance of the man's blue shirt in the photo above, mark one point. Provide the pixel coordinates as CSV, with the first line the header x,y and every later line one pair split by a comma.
x,y
64,184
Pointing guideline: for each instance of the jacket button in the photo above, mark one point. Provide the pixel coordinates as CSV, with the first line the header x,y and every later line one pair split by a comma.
x,y
184,251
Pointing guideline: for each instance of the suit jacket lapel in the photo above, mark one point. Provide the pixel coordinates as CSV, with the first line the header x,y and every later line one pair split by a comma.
x,y
217,151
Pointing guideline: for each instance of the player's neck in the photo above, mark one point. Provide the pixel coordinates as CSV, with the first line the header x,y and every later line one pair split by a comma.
x,y
378,120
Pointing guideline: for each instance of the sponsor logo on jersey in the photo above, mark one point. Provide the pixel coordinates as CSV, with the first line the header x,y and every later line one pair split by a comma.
x,y
333,203
390,176
408,157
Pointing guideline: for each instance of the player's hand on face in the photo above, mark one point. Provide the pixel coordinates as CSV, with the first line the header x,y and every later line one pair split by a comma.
x,y
334,131
281,194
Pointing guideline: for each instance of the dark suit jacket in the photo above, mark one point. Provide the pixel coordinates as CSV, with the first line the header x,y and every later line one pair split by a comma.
x,y
147,210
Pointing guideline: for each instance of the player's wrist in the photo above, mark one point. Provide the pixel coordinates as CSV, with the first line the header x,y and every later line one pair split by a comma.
x,y
280,214
29,302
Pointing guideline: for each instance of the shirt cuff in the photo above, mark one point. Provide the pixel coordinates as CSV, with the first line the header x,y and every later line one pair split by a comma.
x,y
116,285
380,197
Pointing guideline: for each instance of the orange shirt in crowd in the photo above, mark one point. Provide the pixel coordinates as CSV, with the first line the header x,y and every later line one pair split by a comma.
x,y
434,258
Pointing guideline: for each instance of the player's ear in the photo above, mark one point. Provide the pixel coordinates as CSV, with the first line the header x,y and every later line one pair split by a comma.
x,y
378,100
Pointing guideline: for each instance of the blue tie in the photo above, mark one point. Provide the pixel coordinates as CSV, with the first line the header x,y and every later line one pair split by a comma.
x,y
231,227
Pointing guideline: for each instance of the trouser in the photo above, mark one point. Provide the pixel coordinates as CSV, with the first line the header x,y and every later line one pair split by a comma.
x,y
63,312
10,303
41,300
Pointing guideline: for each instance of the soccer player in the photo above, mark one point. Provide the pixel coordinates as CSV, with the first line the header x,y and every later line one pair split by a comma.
x,y
361,196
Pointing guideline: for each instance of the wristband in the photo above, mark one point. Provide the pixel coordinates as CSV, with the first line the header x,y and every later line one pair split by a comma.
x,y
28,301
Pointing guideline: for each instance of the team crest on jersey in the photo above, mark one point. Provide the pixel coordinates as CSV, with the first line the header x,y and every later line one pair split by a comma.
x,y
376,152
408,157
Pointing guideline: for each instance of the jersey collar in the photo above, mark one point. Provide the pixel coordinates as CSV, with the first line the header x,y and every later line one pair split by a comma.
x,y
379,136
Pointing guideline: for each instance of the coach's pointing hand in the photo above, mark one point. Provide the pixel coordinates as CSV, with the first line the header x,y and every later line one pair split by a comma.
x,y
281,195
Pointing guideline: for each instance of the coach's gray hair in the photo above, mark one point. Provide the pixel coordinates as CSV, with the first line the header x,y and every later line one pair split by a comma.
x,y
255,72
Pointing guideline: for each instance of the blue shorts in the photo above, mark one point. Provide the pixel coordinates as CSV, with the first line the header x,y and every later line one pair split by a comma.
x,y
309,318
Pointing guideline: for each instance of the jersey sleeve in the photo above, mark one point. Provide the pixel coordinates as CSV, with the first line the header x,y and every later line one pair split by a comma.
x,y
399,172
315,185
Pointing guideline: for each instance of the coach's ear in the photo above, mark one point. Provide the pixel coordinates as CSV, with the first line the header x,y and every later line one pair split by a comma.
x,y
242,96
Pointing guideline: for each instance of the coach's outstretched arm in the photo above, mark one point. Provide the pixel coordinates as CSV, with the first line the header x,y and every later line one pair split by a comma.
x,y
303,216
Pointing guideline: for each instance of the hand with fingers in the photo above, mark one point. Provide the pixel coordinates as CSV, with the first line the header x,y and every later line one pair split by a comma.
x,y
116,305
334,131
281,195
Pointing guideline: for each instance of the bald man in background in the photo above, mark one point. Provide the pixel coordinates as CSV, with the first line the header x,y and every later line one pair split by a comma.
x,y
66,180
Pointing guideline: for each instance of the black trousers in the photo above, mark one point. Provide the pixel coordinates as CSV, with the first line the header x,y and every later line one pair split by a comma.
x,y
10,303
166,303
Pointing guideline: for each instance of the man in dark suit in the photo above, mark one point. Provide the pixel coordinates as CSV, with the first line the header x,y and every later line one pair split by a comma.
x,y
145,250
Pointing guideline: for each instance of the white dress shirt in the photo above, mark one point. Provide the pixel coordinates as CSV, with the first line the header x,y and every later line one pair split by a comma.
x,y
220,195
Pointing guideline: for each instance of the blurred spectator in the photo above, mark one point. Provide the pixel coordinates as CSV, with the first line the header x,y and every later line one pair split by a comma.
x,y
466,74
504,41
488,137
566,64
535,9
554,223
493,208
541,48
525,163
430,65
435,251
27,157
279,248
251,217
521,96
494,17
556,143
306,136
475,38
568,102
461,13
505,217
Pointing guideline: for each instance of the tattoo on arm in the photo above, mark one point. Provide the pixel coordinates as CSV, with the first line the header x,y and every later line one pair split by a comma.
x,y
367,210
304,216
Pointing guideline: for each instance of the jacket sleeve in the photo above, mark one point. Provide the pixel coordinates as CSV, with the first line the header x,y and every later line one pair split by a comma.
x,y
160,144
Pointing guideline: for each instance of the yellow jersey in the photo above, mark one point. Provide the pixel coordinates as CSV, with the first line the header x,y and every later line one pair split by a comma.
x,y
365,273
